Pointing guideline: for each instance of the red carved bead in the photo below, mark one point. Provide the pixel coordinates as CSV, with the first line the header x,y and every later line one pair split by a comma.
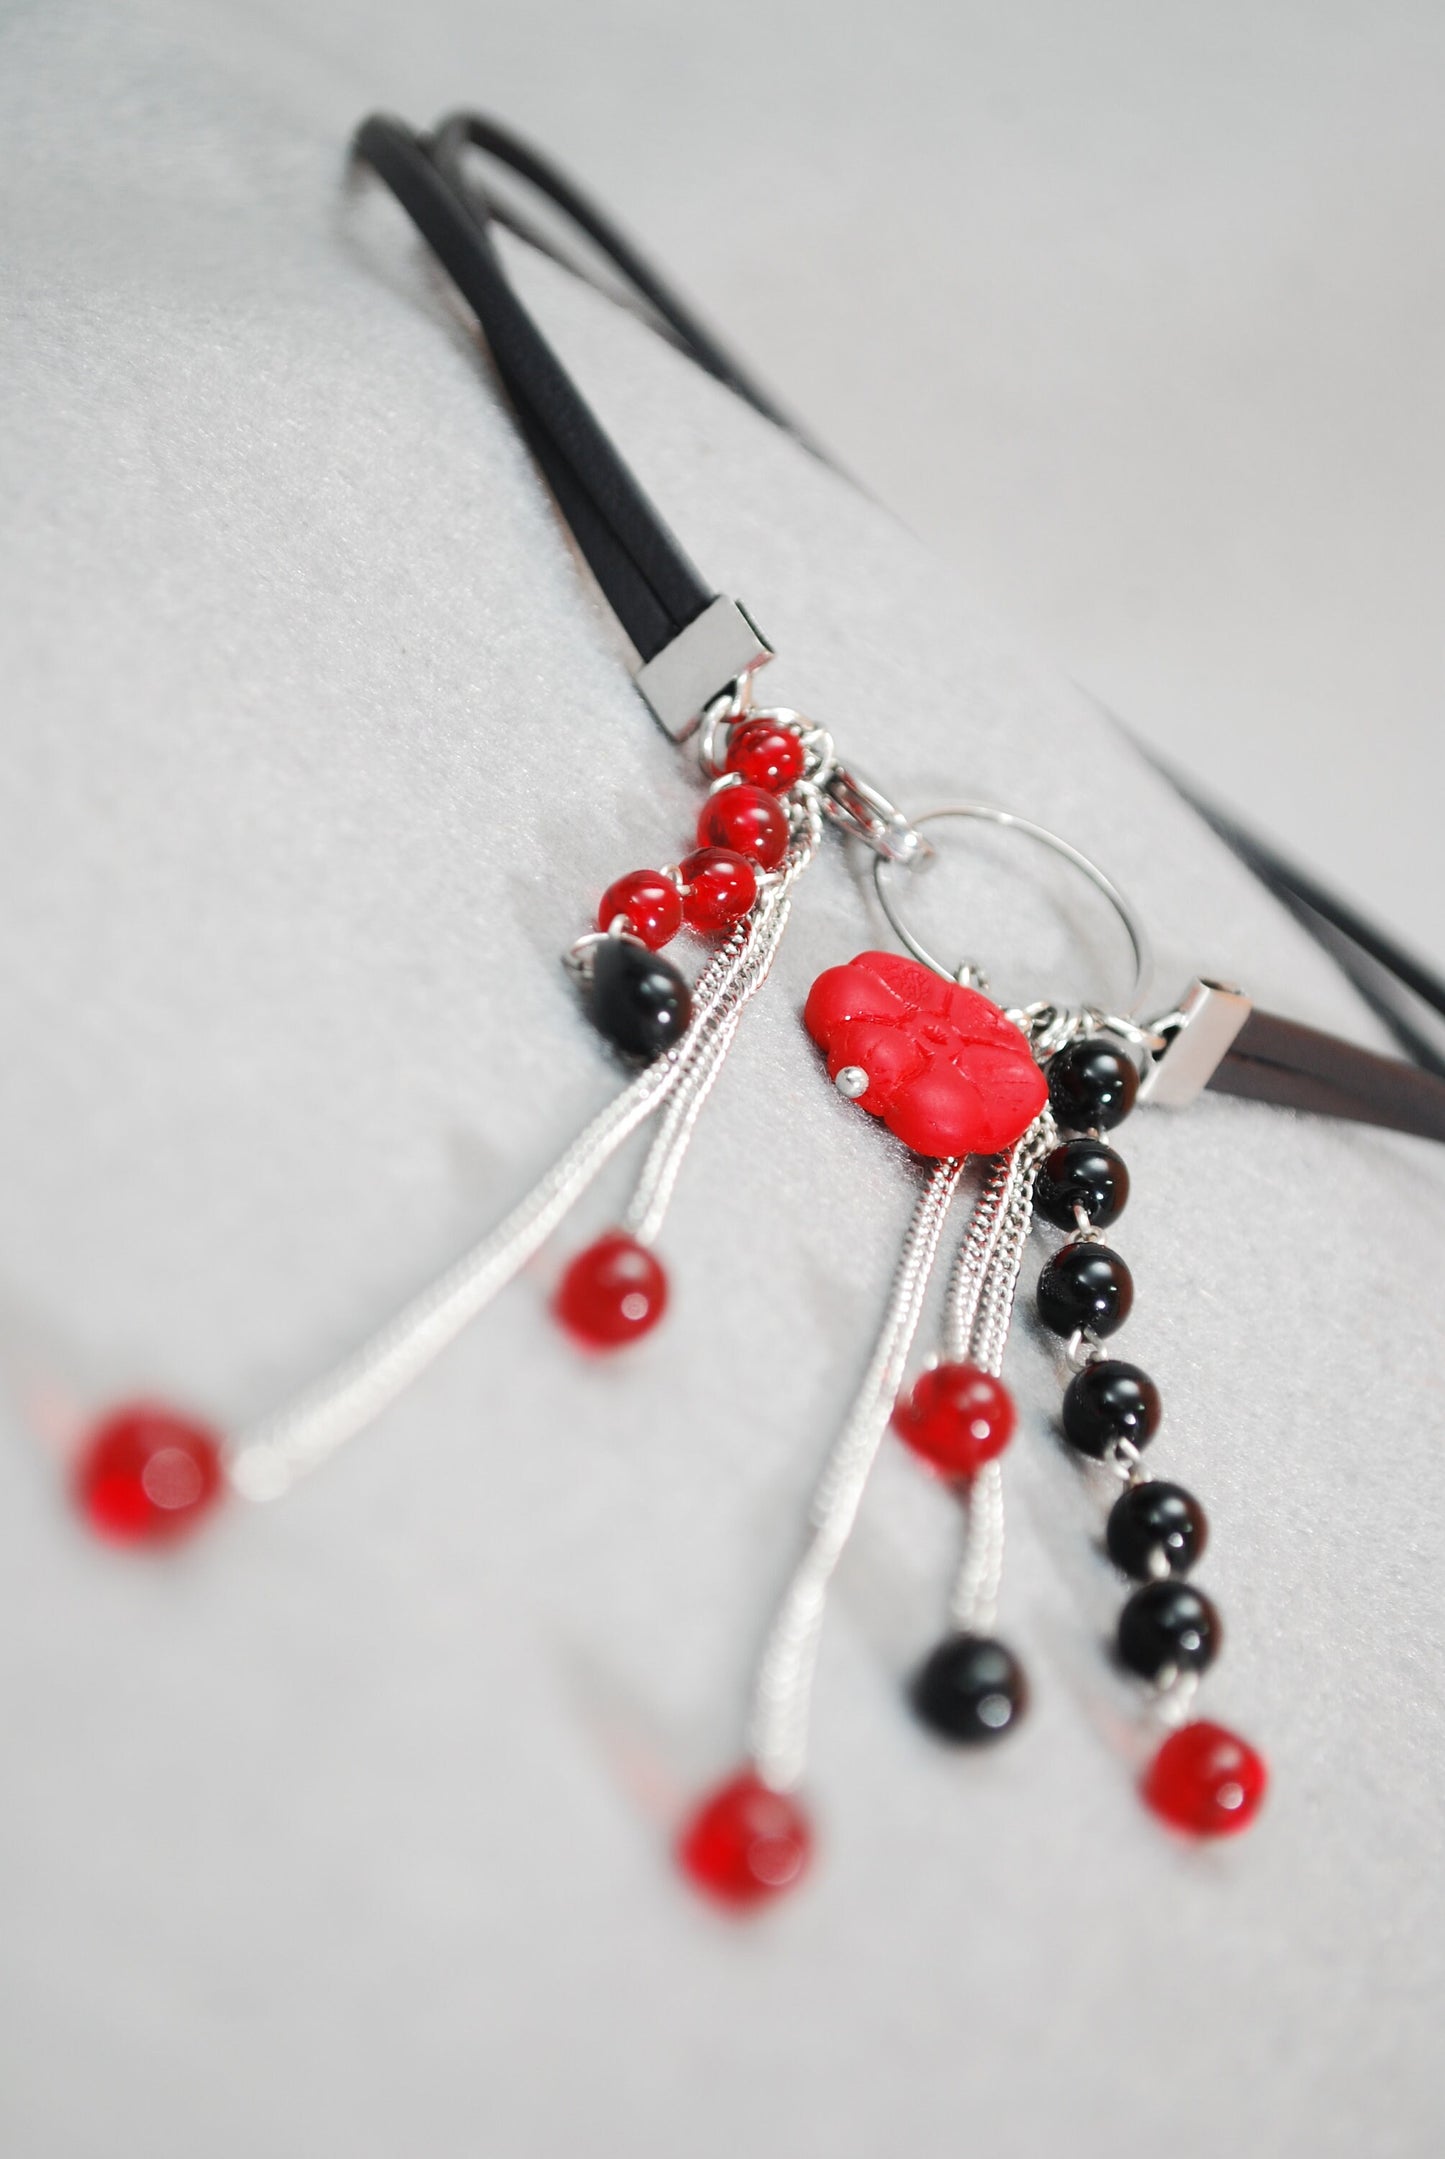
x,y
612,1293
1205,1781
946,1071
718,888
747,820
746,1843
956,1417
766,755
147,1475
650,902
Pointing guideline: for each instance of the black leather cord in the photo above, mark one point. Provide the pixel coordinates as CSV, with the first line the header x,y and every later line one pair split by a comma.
x,y
470,130
648,581
1295,1067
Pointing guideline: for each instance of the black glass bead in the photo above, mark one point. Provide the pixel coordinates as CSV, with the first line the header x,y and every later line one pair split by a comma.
x,y
636,998
1155,1524
1085,1286
1092,1085
1082,1173
971,1689
1168,1626
1109,1401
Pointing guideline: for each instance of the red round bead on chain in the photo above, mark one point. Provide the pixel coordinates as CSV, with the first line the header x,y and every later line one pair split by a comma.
x,y
957,1417
766,755
147,1475
747,820
746,1843
718,888
612,1294
649,903
1206,1781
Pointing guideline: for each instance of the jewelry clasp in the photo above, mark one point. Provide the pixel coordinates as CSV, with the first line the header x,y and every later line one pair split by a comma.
x,y
865,813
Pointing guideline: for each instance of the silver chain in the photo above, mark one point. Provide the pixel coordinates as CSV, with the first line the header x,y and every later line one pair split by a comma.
x,y
978,1314
653,1193
778,1723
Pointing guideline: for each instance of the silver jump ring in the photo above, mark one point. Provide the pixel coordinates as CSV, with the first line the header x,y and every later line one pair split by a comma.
x,y
1133,927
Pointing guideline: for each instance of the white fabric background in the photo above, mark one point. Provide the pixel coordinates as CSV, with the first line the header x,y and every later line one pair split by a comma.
x,y
345,1832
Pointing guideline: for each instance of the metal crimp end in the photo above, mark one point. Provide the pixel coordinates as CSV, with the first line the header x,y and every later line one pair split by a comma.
x,y
717,649
1198,1036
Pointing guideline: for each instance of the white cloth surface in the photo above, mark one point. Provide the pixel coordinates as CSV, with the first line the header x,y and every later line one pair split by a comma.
x,y
344,1831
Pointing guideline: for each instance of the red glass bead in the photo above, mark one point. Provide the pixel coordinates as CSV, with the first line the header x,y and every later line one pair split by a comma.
x,y
148,1475
1205,1781
612,1293
956,1417
766,755
749,821
718,888
650,903
746,1843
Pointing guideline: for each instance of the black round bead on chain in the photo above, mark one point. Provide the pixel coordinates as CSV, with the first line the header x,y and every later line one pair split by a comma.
x,y
1168,1627
1082,1176
1110,1404
970,1689
1155,1529
1085,1288
638,1000
1111,1410
1092,1085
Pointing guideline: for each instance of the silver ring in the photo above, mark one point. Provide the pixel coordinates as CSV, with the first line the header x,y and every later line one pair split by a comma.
x,y
1133,928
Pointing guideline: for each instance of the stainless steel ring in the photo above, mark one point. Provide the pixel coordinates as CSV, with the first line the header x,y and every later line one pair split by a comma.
x,y
1133,927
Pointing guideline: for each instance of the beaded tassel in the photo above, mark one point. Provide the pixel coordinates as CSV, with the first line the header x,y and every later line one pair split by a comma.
x,y
1202,1779
149,1473
751,1838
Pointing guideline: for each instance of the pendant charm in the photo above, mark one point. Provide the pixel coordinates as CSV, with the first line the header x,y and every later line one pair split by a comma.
x,y
942,1066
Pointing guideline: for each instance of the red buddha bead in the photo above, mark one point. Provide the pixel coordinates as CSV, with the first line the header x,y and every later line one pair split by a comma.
x,y
956,1417
766,756
749,821
612,1293
718,889
746,1843
650,903
148,1475
1205,1781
